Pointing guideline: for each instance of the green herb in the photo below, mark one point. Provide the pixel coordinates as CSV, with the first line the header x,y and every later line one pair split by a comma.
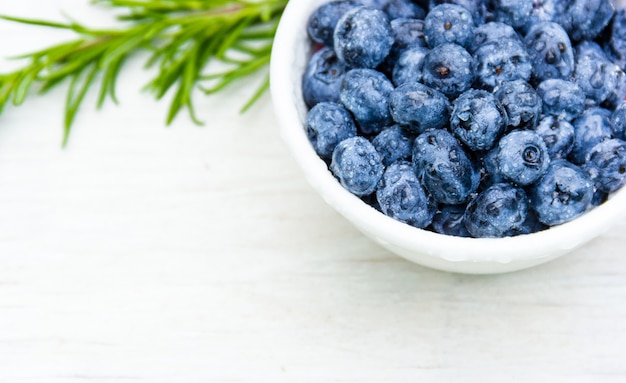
x,y
182,38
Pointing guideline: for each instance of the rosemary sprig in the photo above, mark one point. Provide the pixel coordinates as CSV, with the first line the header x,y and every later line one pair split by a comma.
x,y
182,36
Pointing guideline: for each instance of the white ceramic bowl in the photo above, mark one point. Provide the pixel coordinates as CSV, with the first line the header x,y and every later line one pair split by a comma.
x,y
465,255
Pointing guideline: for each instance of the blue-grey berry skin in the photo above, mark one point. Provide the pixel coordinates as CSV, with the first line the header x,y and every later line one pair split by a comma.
x,y
409,66
562,99
492,32
402,197
563,193
501,61
618,121
444,168
363,37
393,144
520,157
327,124
617,38
606,165
408,33
357,165
545,10
449,24
558,135
478,119
618,94
585,19
418,107
516,13
597,78
478,8
530,225
448,68
323,77
449,220
587,48
497,211
550,50
365,93
323,20
396,9
522,103
591,128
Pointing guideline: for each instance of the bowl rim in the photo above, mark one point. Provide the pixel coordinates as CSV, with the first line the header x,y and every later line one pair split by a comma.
x,y
525,247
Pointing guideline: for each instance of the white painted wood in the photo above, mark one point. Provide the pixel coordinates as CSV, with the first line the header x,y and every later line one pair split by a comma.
x,y
186,254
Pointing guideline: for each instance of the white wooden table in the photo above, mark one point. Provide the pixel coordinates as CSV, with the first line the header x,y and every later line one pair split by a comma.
x,y
185,254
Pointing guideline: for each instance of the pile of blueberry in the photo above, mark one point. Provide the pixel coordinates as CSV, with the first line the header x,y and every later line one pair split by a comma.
x,y
476,118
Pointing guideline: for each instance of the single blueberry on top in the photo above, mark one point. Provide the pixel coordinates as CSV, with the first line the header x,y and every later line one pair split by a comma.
x,y
409,66
323,20
363,37
418,107
449,220
585,19
562,99
357,165
606,165
402,197
558,135
478,119
501,61
402,8
550,50
444,168
449,24
520,157
591,128
322,78
597,78
496,212
448,68
564,193
618,121
478,8
327,124
393,144
492,32
516,13
365,93
521,102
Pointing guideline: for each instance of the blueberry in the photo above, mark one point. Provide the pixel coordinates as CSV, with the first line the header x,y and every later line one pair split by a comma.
x,y
591,128
564,193
497,211
444,168
588,48
516,13
521,102
597,78
501,61
617,41
545,10
409,66
327,124
562,99
396,9
402,197
448,68
322,22
449,24
322,78
363,37
530,225
357,165
393,144
618,121
558,135
520,157
478,8
618,94
599,197
408,33
606,165
365,93
478,119
585,19
492,32
550,50
419,107
449,220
